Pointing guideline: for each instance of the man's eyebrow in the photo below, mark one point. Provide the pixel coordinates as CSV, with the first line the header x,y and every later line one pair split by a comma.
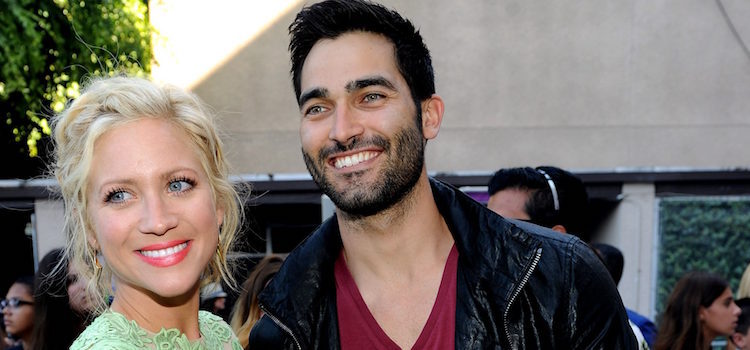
x,y
370,81
310,94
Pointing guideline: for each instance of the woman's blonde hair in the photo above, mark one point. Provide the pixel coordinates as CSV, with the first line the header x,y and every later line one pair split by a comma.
x,y
106,103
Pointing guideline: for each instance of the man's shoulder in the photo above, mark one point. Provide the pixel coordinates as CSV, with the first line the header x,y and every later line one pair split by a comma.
x,y
266,335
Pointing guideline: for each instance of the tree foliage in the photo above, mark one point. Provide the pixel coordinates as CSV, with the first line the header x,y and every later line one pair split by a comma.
x,y
47,47
708,234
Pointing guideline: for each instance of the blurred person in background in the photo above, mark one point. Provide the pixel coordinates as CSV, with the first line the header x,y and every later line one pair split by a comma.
x,y
741,336
246,310
57,322
18,312
699,309
615,262
214,300
76,288
547,196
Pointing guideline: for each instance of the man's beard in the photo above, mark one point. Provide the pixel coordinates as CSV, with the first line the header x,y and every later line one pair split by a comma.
x,y
397,179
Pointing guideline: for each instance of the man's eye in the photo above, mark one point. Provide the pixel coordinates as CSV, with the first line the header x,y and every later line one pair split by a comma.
x,y
179,186
373,97
314,110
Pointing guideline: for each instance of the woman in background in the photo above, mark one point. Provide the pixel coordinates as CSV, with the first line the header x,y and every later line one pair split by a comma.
x,y
699,309
56,322
246,310
150,213
18,312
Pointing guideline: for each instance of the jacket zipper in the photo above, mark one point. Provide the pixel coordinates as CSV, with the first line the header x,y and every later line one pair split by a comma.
x,y
524,280
281,325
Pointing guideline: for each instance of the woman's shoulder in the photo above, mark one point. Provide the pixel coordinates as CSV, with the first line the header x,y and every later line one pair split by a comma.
x,y
111,330
216,333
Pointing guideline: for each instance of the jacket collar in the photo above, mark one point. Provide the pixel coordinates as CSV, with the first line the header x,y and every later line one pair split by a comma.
x,y
493,256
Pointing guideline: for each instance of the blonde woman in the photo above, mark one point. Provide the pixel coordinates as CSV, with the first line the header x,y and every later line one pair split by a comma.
x,y
150,213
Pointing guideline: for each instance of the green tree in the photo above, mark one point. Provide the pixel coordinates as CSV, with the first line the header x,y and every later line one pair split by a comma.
x,y
47,47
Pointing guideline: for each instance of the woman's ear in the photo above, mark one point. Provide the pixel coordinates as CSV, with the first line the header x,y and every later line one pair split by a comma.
x,y
91,239
220,215
432,116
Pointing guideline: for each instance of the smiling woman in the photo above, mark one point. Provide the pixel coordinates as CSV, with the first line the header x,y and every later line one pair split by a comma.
x,y
150,213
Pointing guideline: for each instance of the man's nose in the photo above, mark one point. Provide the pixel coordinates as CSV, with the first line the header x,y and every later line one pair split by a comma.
x,y
346,125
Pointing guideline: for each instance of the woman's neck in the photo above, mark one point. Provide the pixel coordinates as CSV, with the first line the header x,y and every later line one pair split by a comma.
x,y
153,313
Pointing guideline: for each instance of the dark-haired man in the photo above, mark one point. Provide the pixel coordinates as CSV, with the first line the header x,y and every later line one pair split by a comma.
x,y
407,261
547,196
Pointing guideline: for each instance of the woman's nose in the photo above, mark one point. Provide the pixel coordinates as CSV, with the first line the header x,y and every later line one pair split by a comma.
x,y
157,217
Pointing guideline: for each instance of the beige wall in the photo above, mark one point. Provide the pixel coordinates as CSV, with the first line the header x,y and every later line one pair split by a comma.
x,y
579,84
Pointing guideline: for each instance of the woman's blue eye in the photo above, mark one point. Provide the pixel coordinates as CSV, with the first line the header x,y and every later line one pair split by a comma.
x,y
179,186
118,196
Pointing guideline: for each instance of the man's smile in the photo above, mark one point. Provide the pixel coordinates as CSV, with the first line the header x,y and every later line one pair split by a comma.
x,y
353,159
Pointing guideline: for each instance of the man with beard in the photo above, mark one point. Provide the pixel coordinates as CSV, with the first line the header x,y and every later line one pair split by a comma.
x,y
407,261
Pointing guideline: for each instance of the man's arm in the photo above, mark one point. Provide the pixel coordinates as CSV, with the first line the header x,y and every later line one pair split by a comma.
x,y
597,316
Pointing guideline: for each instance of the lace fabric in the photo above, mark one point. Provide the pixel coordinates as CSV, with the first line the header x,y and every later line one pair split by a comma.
x,y
112,330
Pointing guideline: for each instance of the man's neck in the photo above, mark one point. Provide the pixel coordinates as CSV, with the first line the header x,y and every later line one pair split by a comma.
x,y
399,242
397,261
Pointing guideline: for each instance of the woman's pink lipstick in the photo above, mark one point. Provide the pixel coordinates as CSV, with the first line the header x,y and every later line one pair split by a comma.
x,y
165,254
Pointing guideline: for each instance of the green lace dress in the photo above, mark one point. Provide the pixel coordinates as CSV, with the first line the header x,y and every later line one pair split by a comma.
x,y
112,330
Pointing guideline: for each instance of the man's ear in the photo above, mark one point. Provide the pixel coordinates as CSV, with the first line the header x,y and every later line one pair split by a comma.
x,y
559,228
432,116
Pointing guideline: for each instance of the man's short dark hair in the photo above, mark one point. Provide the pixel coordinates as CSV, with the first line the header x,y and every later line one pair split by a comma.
x,y
743,321
332,18
572,197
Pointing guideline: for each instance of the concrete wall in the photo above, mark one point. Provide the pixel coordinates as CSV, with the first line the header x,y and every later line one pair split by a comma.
x,y
579,84
48,226
633,230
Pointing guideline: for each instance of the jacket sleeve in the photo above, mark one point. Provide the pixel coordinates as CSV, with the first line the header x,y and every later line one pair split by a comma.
x,y
598,319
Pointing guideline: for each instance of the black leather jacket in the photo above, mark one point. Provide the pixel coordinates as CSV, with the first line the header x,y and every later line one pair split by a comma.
x,y
519,286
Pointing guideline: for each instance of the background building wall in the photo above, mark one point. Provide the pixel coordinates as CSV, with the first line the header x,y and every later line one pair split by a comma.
x,y
578,84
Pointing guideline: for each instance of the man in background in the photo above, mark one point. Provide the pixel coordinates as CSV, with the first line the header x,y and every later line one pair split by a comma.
x,y
615,262
547,196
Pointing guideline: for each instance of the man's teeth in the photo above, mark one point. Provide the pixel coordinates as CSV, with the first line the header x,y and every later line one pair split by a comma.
x,y
164,252
354,159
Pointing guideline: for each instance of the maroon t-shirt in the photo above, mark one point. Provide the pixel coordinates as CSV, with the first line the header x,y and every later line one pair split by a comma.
x,y
358,329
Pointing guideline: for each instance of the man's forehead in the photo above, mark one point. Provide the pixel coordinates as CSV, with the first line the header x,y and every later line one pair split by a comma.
x,y
340,62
